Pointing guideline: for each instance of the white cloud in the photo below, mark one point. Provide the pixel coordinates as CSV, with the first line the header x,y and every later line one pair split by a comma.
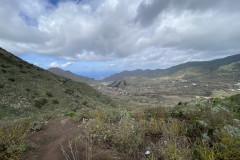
x,y
133,33
56,64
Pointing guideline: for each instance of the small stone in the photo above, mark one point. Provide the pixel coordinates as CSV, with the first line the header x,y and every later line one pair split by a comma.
x,y
147,152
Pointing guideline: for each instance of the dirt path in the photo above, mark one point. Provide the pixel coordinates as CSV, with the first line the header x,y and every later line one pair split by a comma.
x,y
48,140
60,131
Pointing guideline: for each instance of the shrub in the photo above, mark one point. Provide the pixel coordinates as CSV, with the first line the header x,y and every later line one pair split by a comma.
x,y
1,86
70,113
49,94
55,101
4,66
28,89
156,112
36,126
11,79
12,141
227,147
84,103
69,91
39,103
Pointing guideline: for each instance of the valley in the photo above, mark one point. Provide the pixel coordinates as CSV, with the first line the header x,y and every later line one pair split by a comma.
x,y
167,91
43,115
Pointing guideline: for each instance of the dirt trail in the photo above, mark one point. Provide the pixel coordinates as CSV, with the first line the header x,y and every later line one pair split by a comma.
x,y
48,140
56,132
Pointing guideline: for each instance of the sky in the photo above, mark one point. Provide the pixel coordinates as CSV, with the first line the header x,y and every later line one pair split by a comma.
x,y
97,38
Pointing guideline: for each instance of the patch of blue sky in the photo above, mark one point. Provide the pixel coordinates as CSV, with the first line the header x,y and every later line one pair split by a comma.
x,y
37,59
92,69
85,68
55,2
28,20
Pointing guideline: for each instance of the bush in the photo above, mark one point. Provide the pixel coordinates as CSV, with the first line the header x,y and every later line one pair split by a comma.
x,y
69,91
28,90
1,86
55,101
156,112
49,94
11,79
180,103
12,141
70,113
39,103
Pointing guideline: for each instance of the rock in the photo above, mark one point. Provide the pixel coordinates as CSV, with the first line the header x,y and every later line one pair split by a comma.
x,y
147,153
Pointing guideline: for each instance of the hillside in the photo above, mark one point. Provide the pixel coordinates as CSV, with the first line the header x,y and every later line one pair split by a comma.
x,y
26,89
70,75
204,69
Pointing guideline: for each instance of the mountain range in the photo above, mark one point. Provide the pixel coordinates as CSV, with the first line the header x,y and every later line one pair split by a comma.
x,y
201,69
70,75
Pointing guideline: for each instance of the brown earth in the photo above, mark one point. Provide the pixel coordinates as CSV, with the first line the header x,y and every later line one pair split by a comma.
x,y
47,142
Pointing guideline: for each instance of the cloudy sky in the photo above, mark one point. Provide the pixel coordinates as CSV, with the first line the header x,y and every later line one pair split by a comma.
x,y
96,38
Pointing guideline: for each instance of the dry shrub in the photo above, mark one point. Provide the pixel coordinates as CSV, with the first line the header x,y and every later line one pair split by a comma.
x,y
12,141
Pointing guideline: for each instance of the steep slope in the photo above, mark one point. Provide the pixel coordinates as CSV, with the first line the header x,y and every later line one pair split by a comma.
x,y
26,89
189,69
70,75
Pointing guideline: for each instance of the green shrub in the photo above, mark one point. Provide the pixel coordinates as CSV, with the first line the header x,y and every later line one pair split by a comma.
x,y
84,103
156,112
39,103
70,113
36,126
49,94
28,89
55,101
1,86
69,91
11,79
176,113
180,103
12,141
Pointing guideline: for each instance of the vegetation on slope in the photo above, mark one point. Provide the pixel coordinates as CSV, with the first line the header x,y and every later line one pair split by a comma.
x,y
202,129
27,89
30,96
206,69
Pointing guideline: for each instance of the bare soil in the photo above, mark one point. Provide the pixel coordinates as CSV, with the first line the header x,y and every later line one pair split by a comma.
x,y
47,142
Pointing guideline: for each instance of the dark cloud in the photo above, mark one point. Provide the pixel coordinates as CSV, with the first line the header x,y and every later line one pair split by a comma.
x,y
150,10
147,12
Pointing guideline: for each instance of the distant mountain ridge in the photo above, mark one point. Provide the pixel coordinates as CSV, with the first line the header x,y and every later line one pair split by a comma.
x,y
70,75
201,67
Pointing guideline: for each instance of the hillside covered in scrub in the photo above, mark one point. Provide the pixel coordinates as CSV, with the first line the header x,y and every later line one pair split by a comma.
x,y
30,95
216,69
27,89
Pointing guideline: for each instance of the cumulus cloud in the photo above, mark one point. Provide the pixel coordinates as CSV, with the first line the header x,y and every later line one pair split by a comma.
x,y
140,33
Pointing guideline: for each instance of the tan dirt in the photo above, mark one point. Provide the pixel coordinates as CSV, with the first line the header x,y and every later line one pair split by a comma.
x,y
60,131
